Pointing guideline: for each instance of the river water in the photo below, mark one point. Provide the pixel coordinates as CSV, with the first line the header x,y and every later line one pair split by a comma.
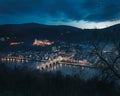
x,y
83,72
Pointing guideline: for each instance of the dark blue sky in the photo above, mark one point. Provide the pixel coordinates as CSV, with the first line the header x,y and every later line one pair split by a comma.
x,y
80,13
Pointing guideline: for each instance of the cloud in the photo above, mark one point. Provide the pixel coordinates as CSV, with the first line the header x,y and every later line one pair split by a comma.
x,y
65,10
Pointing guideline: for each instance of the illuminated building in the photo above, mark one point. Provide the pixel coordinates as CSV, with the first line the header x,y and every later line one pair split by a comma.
x,y
42,43
16,43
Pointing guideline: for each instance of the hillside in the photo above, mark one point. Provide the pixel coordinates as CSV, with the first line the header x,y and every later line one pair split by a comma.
x,y
28,32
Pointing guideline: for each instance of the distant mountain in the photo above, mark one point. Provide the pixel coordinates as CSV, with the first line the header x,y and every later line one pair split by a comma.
x,y
27,32
34,30
117,26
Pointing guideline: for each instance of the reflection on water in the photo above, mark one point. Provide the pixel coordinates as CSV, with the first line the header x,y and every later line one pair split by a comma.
x,y
83,72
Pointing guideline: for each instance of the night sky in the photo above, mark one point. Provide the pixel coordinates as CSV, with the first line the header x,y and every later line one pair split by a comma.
x,y
79,13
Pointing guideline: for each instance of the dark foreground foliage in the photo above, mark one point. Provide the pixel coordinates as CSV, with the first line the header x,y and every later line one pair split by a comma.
x,y
34,83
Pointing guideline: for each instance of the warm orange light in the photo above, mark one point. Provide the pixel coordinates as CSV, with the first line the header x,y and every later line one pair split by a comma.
x,y
42,42
16,43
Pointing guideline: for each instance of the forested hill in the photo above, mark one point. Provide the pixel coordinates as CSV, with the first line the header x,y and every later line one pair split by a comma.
x,y
29,31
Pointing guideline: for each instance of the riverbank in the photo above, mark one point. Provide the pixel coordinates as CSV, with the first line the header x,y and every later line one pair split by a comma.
x,y
35,83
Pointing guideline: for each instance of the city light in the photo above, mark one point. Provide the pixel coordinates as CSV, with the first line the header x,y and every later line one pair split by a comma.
x,y
42,43
16,43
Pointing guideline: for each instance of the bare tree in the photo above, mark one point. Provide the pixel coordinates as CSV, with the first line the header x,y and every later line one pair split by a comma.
x,y
108,59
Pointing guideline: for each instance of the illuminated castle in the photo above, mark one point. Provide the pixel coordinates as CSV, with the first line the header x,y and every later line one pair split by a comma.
x,y
42,42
